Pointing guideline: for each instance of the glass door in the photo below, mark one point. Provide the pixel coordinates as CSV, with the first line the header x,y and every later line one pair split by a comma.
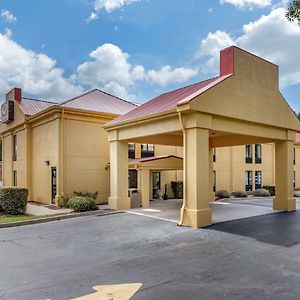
x,y
156,183
53,184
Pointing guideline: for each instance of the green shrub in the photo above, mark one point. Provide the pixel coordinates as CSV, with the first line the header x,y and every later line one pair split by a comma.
x,y
261,193
81,203
222,194
270,188
87,194
239,194
13,200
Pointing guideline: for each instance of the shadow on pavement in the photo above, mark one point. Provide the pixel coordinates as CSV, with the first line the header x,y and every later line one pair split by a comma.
x,y
282,228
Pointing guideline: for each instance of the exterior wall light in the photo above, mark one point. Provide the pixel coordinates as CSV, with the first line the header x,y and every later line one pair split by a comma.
x,y
47,162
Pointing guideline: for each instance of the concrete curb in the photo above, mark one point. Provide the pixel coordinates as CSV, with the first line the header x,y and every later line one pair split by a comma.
x,y
60,217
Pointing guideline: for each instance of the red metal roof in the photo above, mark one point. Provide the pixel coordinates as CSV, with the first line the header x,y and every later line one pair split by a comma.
x,y
171,100
168,101
33,106
100,101
297,137
95,100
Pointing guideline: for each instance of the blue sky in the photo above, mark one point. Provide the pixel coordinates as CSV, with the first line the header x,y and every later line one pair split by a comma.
x,y
137,49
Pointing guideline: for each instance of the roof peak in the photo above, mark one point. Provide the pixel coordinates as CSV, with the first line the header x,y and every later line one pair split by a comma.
x,y
98,90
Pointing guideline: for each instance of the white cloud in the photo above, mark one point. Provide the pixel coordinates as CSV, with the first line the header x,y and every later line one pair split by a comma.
x,y
108,6
36,73
92,16
166,75
248,4
211,47
111,5
110,68
271,37
8,16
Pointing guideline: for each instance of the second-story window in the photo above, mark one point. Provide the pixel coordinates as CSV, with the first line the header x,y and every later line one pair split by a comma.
x,y
147,150
15,147
131,150
248,154
258,154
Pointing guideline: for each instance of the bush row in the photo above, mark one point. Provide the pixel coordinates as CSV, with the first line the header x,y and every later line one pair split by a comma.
x,y
221,194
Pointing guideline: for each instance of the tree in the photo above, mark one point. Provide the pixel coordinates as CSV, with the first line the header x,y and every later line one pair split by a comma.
x,y
293,11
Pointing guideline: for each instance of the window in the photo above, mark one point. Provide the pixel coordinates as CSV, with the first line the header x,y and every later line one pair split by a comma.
x,y
131,150
147,150
15,178
258,179
258,153
294,179
248,181
248,154
15,147
214,181
214,154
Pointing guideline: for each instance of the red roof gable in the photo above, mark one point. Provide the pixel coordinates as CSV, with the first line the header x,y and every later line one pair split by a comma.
x,y
100,101
170,100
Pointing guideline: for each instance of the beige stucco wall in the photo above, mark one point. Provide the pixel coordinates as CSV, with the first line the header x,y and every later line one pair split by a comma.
x,y
86,157
8,165
45,147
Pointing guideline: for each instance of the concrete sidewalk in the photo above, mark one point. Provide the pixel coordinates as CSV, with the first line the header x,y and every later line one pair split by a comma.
x,y
169,210
41,210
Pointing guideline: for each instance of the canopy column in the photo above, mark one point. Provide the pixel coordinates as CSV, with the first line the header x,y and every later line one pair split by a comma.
x,y
144,186
119,176
284,176
197,180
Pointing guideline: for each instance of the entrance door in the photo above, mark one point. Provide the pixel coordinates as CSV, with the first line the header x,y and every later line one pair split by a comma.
x,y
156,183
53,184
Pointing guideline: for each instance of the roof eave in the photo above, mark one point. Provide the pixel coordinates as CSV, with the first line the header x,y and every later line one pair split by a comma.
x,y
129,122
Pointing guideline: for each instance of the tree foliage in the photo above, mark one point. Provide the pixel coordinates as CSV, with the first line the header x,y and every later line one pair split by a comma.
x,y
293,11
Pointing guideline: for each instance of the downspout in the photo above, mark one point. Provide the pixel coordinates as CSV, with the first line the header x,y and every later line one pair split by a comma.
x,y
184,170
62,154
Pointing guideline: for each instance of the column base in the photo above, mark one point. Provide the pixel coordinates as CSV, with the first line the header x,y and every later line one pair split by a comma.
x,y
119,203
284,205
197,218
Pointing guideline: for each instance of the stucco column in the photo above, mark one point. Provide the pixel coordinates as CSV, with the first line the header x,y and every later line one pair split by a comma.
x,y
144,186
284,176
197,178
119,176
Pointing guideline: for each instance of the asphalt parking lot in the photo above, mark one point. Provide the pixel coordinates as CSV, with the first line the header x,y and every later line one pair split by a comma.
x,y
250,258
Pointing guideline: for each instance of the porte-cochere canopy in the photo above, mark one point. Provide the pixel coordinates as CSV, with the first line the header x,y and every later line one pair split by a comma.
x,y
243,105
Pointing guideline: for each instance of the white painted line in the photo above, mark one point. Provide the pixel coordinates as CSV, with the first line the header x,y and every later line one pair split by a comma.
x,y
149,216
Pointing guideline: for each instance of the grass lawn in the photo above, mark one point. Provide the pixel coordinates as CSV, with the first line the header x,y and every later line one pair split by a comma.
x,y
16,218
